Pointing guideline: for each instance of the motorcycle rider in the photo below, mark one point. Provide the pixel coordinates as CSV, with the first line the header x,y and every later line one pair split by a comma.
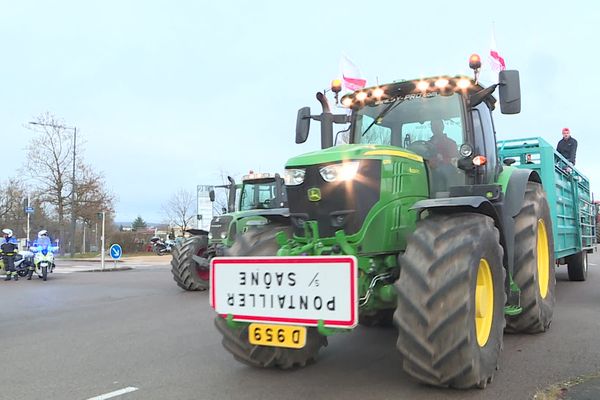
x,y
8,249
42,241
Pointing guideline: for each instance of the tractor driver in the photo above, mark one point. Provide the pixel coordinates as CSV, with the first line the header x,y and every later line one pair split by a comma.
x,y
445,150
442,158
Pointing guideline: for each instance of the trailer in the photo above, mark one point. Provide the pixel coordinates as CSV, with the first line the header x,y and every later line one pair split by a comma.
x,y
568,191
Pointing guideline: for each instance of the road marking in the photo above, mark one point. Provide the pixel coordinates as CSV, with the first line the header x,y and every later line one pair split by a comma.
x,y
116,393
592,264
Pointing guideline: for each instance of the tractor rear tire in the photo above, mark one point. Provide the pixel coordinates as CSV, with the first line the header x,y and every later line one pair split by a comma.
x,y
187,273
534,266
451,297
260,241
577,266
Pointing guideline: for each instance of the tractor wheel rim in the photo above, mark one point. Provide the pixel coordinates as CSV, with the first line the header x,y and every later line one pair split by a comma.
x,y
543,259
203,273
484,302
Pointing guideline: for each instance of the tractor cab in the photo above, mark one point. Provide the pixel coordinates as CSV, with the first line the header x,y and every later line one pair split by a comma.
x,y
262,191
445,120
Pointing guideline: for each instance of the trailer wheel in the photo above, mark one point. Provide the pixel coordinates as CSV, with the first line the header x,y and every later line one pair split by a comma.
x,y
187,273
534,270
451,298
577,266
261,242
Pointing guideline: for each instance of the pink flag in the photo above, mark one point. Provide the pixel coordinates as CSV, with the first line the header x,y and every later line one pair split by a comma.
x,y
351,76
497,63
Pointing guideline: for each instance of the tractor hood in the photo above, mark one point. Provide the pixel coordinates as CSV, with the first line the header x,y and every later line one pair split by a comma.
x,y
350,152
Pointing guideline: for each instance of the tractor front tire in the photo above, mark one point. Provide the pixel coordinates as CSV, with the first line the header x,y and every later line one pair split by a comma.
x,y
451,298
534,271
187,273
260,241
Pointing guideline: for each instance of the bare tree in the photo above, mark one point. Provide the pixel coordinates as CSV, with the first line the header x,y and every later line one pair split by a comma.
x,y
12,194
92,195
180,209
48,162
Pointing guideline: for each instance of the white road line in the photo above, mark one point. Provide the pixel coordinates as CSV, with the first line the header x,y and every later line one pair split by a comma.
x,y
116,393
592,264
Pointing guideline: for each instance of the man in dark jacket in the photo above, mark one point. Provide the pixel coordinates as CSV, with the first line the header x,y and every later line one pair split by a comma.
x,y
567,146
8,250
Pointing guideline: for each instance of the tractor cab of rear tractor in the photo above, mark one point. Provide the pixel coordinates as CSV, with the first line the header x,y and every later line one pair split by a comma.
x,y
260,198
259,195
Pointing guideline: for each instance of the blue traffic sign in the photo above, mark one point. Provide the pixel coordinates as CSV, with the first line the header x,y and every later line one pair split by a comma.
x,y
116,251
28,210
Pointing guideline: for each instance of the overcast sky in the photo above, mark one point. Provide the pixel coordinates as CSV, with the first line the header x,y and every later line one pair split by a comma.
x,y
168,94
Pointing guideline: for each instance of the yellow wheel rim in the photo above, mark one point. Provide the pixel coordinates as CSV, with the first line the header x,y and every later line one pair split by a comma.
x,y
484,302
543,258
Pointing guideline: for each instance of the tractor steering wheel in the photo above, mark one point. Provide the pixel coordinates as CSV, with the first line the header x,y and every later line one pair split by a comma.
x,y
423,148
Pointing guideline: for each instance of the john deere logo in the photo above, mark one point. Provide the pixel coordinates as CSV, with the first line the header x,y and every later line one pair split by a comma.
x,y
314,194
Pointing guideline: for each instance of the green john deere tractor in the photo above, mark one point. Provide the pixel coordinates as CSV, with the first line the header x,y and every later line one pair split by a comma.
x,y
450,245
261,195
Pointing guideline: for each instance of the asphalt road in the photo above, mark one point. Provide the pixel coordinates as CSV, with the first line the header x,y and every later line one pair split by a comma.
x,y
84,334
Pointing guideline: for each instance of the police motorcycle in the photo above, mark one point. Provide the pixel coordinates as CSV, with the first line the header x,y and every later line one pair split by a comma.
x,y
23,262
43,260
161,247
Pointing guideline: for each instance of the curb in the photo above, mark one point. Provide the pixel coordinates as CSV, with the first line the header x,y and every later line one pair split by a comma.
x,y
109,269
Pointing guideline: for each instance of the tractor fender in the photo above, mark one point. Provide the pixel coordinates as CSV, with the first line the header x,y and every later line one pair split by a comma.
x,y
473,204
514,194
510,206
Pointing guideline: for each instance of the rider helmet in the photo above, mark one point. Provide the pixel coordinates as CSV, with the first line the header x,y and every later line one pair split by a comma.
x,y
43,232
7,232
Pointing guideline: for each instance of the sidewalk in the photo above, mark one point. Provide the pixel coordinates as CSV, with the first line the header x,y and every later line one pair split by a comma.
x,y
585,387
149,259
588,390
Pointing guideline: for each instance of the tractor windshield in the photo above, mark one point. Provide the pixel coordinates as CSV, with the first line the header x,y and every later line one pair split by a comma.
x,y
408,120
430,125
258,194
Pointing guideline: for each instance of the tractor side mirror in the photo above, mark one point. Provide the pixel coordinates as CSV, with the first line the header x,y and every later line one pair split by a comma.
x,y
211,195
302,124
510,92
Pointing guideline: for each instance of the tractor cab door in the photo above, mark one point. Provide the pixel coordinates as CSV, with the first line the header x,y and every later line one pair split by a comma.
x,y
484,140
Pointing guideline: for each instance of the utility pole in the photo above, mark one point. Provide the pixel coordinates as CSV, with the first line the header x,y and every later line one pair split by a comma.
x,y
28,217
73,186
102,239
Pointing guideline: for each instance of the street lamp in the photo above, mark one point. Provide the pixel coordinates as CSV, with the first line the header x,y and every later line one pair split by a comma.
x,y
73,222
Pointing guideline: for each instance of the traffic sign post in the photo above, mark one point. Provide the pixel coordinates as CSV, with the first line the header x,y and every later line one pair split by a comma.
x,y
116,252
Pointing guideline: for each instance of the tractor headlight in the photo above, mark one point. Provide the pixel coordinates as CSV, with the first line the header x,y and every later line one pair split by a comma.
x,y
294,176
223,235
465,150
210,235
340,172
